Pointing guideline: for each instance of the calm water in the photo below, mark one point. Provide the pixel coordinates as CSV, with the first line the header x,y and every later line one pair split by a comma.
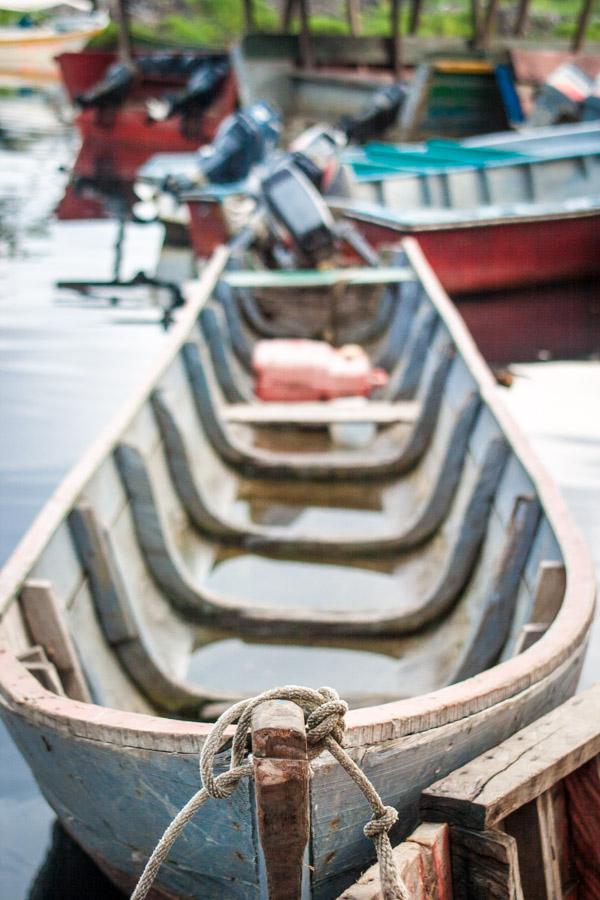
x,y
64,369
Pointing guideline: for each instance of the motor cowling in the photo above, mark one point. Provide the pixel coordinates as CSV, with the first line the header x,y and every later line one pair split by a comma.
x,y
111,91
243,139
298,213
379,114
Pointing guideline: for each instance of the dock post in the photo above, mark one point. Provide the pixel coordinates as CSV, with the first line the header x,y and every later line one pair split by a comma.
x,y
281,780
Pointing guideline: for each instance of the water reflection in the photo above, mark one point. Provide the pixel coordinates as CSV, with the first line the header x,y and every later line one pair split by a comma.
x,y
67,872
63,372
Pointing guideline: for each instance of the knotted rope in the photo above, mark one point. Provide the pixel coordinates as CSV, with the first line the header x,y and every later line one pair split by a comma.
x,y
324,713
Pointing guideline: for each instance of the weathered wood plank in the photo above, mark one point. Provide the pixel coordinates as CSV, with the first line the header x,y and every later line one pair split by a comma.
x,y
520,769
317,277
422,862
281,780
485,865
583,800
44,618
275,413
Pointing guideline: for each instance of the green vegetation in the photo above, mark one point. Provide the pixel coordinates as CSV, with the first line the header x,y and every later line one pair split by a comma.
x,y
217,22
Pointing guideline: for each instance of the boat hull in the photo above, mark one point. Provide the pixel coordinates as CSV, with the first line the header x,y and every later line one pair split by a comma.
x,y
116,801
123,141
31,55
503,254
86,600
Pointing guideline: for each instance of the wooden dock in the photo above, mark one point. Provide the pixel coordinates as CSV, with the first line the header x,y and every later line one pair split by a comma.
x,y
520,822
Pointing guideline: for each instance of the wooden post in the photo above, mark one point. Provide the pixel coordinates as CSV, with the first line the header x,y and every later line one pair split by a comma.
x,y
248,15
353,14
396,37
415,16
582,24
306,54
286,15
489,23
121,14
476,23
281,779
522,17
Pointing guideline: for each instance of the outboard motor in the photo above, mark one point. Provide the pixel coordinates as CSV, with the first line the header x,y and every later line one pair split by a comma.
x,y
301,220
199,92
111,91
316,152
591,107
561,97
243,139
379,114
299,215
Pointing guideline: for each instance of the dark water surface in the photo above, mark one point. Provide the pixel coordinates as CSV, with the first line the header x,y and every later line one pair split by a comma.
x,y
64,370
65,367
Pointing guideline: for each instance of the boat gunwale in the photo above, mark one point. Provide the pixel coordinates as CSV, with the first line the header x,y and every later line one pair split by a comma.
x,y
368,214
364,726
462,168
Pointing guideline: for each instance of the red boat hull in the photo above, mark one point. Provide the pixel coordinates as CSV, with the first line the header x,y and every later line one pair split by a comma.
x,y
504,255
557,321
469,259
124,140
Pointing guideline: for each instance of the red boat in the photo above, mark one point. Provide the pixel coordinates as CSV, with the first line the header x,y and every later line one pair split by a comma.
x,y
121,136
504,252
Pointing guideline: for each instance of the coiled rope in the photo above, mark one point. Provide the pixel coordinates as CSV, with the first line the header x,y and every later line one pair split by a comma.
x,y
324,713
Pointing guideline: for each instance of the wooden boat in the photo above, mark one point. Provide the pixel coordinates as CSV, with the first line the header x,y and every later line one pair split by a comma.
x,y
498,220
122,141
130,616
496,202
28,53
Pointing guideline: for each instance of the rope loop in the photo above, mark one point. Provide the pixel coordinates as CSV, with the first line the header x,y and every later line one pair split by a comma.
x,y
381,824
324,712
325,721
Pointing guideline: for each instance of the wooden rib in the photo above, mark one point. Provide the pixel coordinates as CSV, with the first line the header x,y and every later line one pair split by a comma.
x,y
205,605
221,341
274,539
422,526
181,474
399,326
331,464
321,413
242,347
215,341
404,379
47,627
371,330
118,621
334,465
260,325
493,626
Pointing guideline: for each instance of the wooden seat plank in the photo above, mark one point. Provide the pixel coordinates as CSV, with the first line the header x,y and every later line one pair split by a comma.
x,y
378,412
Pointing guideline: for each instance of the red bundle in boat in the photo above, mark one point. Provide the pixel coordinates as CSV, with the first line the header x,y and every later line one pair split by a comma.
x,y
312,370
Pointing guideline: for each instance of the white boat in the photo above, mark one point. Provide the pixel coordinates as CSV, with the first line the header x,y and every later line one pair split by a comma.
x,y
27,52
